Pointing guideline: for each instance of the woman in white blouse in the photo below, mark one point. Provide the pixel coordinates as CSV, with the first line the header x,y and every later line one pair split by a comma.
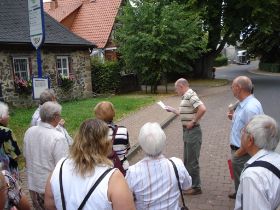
x,y
152,180
88,162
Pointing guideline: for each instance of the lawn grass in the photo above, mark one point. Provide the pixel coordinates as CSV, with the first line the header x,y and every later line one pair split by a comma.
x,y
75,112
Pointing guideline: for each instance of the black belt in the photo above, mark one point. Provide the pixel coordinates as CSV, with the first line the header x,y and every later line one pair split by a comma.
x,y
196,125
234,147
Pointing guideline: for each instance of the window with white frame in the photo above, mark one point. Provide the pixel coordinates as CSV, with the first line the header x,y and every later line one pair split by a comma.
x,y
62,65
21,68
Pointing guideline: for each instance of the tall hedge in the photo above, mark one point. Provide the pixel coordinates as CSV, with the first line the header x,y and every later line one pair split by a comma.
x,y
221,61
270,67
105,76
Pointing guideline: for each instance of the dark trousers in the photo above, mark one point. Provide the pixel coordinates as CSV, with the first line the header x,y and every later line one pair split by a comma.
x,y
192,144
238,165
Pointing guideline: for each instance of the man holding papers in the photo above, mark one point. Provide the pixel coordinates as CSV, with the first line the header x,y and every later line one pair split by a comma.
x,y
191,110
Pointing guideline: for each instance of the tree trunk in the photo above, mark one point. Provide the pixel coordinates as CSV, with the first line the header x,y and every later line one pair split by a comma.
x,y
203,66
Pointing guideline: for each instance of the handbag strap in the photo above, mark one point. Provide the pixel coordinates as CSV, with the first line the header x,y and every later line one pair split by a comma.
x,y
93,188
61,186
114,133
179,185
89,192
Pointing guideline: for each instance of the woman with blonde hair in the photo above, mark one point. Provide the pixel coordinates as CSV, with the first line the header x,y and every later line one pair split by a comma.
x,y
86,179
105,111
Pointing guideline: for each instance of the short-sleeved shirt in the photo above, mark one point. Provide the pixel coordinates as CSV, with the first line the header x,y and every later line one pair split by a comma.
x,y
121,143
188,106
154,183
243,113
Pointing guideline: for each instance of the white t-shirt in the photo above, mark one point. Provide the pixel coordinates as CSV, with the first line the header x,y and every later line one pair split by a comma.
x,y
76,187
154,183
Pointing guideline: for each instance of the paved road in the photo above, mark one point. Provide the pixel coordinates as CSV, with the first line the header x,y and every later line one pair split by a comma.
x,y
267,87
216,182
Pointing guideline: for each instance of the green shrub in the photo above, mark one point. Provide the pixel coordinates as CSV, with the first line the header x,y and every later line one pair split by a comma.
x,y
221,61
105,76
270,67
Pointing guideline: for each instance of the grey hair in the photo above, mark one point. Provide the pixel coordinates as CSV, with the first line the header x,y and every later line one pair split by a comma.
x,y
182,81
152,139
49,111
245,83
265,132
47,95
4,110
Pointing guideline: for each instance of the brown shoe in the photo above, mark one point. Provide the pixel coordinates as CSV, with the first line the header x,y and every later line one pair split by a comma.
x,y
192,191
232,196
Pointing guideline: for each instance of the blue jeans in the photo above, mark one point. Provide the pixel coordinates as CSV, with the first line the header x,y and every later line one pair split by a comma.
x,y
192,143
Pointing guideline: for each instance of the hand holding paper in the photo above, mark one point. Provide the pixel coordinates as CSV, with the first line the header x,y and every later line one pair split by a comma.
x,y
167,108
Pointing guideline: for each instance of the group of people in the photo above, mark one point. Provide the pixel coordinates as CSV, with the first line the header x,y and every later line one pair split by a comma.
x,y
253,143
65,173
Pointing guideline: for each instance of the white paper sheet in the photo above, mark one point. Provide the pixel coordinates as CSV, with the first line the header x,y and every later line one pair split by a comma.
x,y
162,105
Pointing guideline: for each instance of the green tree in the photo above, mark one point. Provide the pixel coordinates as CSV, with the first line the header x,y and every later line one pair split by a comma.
x,y
156,37
256,24
262,34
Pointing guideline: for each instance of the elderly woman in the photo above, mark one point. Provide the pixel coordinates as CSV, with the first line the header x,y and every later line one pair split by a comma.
x,y
9,150
152,180
105,111
86,166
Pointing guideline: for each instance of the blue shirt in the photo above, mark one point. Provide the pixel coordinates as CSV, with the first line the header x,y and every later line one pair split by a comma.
x,y
244,112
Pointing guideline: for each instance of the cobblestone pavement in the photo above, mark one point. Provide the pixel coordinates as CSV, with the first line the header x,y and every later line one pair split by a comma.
x,y
216,183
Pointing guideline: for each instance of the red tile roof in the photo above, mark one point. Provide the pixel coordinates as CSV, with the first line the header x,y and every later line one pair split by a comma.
x,y
64,11
94,20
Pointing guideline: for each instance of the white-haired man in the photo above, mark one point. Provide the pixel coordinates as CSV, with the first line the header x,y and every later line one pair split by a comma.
x,y
45,96
44,146
152,180
259,187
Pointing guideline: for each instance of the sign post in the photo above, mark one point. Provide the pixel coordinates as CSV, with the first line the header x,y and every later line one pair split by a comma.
x,y
37,36
37,32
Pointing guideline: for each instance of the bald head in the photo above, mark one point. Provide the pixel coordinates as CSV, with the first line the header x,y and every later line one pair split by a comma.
x,y
244,83
182,82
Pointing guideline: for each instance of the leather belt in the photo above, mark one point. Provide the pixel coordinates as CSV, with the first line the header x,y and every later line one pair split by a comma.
x,y
196,125
234,147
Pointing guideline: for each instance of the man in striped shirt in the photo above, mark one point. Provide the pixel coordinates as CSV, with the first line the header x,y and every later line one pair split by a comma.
x,y
190,111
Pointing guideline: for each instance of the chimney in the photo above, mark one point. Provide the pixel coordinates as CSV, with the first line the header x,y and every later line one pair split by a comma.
x,y
50,5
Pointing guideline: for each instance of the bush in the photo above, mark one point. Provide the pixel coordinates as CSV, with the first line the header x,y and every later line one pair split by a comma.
x,y
105,76
270,67
221,61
